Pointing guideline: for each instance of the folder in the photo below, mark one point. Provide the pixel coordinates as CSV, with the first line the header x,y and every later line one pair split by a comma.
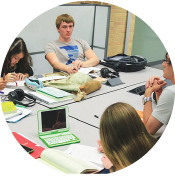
x,y
28,143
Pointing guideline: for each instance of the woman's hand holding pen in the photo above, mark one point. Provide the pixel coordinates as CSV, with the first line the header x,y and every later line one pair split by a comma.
x,y
20,76
11,77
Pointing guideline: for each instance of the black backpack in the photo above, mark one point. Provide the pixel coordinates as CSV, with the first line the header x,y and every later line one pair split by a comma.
x,y
125,63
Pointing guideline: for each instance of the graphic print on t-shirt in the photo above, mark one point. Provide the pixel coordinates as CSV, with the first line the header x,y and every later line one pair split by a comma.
x,y
72,51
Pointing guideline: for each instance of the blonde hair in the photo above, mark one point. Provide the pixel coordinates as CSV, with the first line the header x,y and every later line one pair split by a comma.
x,y
123,135
65,18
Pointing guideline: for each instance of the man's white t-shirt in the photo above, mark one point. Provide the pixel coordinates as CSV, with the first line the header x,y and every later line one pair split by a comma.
x,y
163,110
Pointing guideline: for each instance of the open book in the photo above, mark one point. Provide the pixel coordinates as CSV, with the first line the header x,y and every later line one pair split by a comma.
x,y
66,163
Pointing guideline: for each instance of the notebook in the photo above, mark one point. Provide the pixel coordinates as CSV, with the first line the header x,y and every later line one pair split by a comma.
x,y
14,119
28,143
9,116
53,127
56,94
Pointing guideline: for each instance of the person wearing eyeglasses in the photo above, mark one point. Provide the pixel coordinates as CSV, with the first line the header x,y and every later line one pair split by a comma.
x,y
160,115
18,62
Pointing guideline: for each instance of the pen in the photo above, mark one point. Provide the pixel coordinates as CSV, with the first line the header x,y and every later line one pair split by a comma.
x,y
1,92
4,77
15,75
75,69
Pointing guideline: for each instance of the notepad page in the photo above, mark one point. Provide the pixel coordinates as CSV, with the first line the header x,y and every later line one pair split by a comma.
x,y
85,153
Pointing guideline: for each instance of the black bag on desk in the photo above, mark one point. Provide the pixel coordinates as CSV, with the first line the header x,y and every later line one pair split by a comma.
x,y
125,63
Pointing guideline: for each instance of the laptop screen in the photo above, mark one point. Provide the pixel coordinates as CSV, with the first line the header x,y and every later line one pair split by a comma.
x,y
53,119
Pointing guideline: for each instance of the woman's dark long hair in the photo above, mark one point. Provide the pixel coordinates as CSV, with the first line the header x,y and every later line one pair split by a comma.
x,y
17,47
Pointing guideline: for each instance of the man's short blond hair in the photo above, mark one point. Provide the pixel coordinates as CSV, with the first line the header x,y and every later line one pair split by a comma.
x,y
65,18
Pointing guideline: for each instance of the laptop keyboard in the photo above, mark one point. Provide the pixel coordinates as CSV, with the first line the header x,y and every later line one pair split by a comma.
x,y
60,139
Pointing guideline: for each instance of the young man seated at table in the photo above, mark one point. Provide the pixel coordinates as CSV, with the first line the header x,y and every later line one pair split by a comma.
x,y
67,54
160,115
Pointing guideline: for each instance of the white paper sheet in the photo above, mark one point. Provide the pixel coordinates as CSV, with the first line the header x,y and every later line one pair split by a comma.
x,y
7,90
19,83
88,70
85,153
51,78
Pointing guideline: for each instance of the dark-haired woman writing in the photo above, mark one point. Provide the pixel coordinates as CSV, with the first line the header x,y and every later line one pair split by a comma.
x,y
18,62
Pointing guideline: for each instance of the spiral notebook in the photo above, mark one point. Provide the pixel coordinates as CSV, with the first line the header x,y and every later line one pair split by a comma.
x,y
49,95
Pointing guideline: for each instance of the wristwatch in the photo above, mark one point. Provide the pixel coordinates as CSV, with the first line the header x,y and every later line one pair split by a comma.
x,y
145,99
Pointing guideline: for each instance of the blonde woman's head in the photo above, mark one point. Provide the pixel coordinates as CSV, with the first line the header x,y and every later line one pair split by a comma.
x,y
123,135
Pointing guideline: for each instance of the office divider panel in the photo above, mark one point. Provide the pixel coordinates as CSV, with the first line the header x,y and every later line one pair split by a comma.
x,y
101,32
42,29
100,52
41,65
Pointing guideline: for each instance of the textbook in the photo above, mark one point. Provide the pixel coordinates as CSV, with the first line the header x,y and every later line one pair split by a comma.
x,y
67,163
8,107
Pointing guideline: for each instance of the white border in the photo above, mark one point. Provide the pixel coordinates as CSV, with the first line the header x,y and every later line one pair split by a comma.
x,y
15,15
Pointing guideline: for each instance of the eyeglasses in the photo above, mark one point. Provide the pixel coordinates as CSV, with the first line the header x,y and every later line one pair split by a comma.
x,y
167,61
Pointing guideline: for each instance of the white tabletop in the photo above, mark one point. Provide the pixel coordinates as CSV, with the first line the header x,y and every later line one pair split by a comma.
x,y
29,128
82,121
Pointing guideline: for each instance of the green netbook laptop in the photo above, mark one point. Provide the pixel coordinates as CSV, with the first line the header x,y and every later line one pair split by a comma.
x,y
53,127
